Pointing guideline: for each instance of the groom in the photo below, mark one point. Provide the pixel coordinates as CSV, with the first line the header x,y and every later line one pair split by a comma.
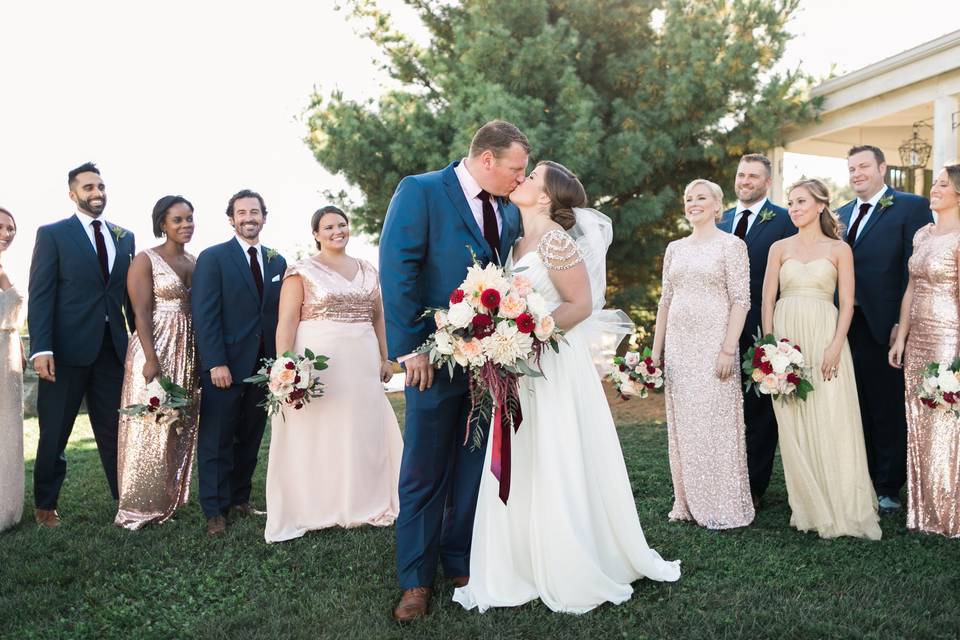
x,y
235,300
432,220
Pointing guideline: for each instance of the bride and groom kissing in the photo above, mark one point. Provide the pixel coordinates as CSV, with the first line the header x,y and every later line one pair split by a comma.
x,y
569,534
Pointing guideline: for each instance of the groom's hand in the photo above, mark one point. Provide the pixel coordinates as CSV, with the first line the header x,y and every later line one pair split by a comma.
x,y
220,377
419,372
45,368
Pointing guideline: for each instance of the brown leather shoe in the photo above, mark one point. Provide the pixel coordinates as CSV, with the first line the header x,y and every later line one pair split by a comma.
x,y
413,604
246,509
460,582
216,526
47,518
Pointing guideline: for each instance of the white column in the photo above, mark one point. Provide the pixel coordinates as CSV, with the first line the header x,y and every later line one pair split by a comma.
x,y
776,188
944,135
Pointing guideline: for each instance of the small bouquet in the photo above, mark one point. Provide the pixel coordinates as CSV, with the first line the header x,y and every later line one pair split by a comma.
x,y
496,327
776,368
940,387
166,404
636,374
291,380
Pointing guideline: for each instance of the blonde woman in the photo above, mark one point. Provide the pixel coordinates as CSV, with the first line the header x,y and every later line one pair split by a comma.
x,y
821,438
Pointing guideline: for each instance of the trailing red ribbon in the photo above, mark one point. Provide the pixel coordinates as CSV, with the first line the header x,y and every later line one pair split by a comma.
x,y
503,388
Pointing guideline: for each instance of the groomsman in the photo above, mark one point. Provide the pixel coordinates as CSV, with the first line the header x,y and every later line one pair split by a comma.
x,y
759,223
880,225
235,300
78,314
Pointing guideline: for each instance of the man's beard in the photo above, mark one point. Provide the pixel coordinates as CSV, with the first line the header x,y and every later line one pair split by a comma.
x,y
247,232
752,197
91,209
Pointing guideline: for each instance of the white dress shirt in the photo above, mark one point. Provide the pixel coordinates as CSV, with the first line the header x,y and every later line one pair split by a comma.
x,y
246,246
108,239
873,207
755,210
471,191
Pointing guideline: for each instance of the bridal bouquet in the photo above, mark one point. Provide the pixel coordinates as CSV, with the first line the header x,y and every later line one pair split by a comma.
x,y
635,374
940,387
166,403
496,328
291,380
776,368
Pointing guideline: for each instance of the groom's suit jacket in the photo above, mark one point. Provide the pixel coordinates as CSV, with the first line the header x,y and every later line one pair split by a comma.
x,y
424,252
229,318
880,255
69,299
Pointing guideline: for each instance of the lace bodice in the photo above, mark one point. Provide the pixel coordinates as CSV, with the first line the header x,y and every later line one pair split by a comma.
x,y
10,302
327,295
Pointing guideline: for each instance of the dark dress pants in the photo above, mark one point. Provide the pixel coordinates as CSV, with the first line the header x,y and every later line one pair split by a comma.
x,y
880,389
761,434
58,404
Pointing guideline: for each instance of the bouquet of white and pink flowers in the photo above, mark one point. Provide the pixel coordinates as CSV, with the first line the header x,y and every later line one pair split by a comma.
x,y
776,368
291,380
940,387
636,374
496,328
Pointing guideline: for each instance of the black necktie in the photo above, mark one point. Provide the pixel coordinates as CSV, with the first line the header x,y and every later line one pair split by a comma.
x,y
255,270
101,250
852,232
490,232
741,230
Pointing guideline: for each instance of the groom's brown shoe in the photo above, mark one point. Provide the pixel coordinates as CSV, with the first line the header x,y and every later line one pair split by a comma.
x,y
459,582
216,526
413,604
246,509
47,518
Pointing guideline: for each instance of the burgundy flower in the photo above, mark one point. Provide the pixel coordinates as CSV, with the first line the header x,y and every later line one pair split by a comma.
x,y
456,296
490,298
649,385
154,402
949,397
757,357
296,380
793,378
482,325
526,323
651,369
766,368
648,361
623,367
290,365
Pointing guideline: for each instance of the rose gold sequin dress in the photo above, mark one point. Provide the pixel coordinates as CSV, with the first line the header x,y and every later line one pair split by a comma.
x,y
11,411
153,462
933,438
335,462
705,430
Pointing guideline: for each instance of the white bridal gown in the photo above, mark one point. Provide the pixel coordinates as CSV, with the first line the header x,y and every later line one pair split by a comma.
x,y
569,533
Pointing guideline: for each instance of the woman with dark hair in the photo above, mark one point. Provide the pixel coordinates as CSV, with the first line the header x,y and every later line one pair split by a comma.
x,y
155,458
11,382
336,461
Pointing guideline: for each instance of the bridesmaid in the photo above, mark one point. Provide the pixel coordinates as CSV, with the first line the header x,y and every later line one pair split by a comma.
x,y
702,309
821,438
154,463
930,332
11,382
336,461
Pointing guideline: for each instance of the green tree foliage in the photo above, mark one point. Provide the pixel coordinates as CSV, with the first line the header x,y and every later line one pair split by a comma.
x,y
638,97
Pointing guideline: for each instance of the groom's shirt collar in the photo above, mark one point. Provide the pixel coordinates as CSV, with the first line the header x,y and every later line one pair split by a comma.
x,y
755,209
471,189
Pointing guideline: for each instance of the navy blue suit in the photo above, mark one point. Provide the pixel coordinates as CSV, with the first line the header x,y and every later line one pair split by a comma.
x,y
880,254
234,327
83,319
758,414
423,258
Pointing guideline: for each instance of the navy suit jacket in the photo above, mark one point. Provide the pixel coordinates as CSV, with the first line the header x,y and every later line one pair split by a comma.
x,y
69,298
424,254
229,318
762,234
880,255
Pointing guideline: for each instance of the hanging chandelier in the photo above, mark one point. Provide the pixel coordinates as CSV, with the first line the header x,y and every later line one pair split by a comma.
x,y
915,152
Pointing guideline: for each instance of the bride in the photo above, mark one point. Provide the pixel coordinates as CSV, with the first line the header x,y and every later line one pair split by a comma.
x,y
569,533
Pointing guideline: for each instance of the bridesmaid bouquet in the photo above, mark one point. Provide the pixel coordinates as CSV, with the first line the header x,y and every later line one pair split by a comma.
x,y
166,404
291,380
776,368
635,374
940,387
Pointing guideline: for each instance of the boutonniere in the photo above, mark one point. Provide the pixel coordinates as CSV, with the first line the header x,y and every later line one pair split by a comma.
x,y
271,254
767,214
118,232
885,202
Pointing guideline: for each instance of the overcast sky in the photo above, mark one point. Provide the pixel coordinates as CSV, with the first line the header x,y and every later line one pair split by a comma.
x,y
204,98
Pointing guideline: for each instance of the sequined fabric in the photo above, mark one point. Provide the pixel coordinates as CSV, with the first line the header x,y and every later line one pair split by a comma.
x,y
558,251
933,438
329,296
705,429
11,410
154,463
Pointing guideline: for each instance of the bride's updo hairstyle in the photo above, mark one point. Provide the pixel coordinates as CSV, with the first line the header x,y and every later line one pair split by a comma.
x,y
829,223
565,192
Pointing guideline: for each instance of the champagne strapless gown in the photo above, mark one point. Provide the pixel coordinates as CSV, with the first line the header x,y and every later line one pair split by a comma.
x,y
821,438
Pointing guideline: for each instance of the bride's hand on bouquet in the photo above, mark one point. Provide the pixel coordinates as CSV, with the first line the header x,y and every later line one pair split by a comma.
x,y
831,362
725,364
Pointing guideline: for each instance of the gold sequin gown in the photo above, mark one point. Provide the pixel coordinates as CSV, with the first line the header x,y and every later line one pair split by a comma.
x,y
11,410
821,438
154,463
933,438
336,461
705,430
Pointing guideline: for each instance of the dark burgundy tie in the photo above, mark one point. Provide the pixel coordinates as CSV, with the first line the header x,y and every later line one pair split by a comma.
x,y
852,233
741,230
101,250
490,232
255,270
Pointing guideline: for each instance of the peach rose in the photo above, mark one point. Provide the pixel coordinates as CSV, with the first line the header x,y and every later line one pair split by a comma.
x,y
545,328
512,306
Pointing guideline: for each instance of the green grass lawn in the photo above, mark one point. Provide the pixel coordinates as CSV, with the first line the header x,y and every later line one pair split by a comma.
x,y
88,579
